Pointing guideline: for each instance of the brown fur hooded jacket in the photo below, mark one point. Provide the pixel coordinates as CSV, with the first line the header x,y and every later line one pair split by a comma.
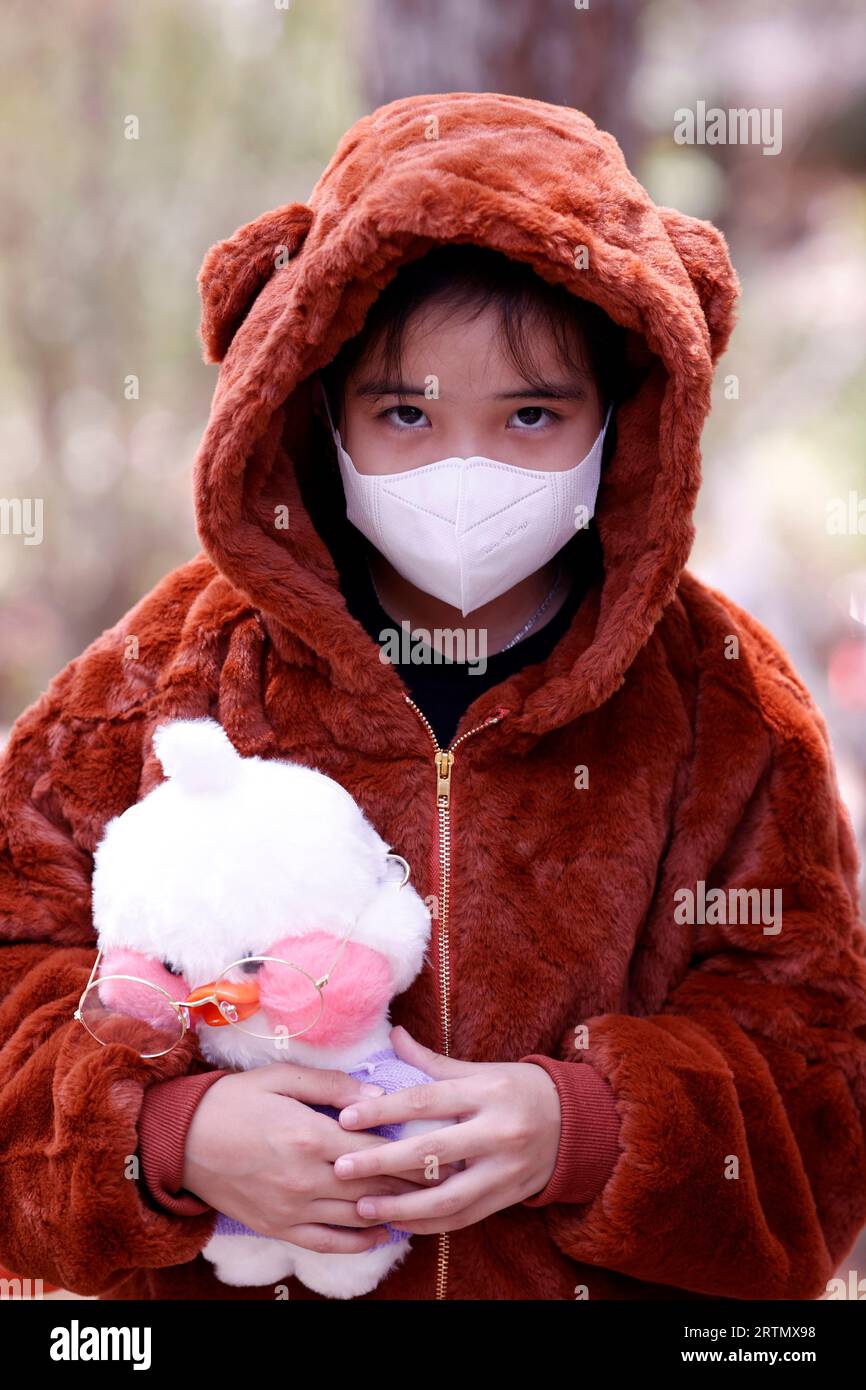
x,y
735,1057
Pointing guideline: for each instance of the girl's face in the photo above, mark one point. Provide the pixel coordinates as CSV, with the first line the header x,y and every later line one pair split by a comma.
x,y
460,395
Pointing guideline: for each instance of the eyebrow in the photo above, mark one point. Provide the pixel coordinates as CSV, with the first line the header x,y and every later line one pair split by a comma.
x,y
550,390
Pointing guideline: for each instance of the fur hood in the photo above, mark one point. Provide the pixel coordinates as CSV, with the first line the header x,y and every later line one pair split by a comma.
x,y
538,183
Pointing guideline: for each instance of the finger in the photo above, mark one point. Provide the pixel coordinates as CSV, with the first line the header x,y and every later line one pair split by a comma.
x,y
329,1241
418,1177
337,1190
388,1184
437,1100
468,1217
313,1085
429,1152
351,1191
335,1140
446,1202
330,1211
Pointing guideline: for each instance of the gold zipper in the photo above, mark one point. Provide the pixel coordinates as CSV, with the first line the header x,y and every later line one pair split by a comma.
x,y
443,760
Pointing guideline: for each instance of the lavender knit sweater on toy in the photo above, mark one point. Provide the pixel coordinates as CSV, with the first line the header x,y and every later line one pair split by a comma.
x,y
383,1069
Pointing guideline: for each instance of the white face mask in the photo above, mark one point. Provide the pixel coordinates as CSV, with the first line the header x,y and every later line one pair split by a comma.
x,y
468,529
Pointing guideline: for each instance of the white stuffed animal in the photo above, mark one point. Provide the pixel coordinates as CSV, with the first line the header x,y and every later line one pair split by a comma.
x,y
232,858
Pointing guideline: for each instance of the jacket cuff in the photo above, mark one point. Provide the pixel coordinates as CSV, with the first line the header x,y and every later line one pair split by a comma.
x,y
589,1138
166,1115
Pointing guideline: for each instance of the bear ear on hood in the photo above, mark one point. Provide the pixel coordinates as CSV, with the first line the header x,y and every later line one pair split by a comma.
x,y
704,252
235,271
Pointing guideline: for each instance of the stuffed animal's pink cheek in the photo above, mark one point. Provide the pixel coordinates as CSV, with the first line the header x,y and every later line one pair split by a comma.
x,y
354,998
133,1000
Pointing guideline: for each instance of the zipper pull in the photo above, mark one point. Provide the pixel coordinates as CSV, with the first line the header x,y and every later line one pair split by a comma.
x,y
444,759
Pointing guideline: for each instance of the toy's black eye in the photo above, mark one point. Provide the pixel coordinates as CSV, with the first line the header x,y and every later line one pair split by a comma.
x,y
170,967
250,967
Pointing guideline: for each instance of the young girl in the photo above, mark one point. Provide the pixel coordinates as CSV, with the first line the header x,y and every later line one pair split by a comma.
x,y
472,372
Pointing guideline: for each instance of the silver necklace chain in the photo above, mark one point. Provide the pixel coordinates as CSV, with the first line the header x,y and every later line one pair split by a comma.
x,y
545,603
539,610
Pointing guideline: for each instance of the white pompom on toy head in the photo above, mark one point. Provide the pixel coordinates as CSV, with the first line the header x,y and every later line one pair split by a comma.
x,y
197,754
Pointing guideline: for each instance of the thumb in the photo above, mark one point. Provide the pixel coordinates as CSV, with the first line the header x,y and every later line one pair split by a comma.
x,y
435,1064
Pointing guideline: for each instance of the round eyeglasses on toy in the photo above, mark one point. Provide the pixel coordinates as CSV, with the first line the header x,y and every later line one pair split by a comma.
x,y
143,1015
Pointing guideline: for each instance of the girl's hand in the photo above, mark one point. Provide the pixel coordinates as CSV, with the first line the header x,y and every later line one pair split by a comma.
x,y
257,1152
508,1133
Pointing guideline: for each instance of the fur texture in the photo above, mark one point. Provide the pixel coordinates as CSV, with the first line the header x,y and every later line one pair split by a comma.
x,y
730,1051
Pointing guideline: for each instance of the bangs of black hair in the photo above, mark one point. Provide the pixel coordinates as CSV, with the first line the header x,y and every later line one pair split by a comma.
x,y
464,278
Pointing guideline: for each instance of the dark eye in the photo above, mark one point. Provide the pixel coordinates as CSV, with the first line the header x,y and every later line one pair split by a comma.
x,y
250,967
534,415
404,416
171,967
